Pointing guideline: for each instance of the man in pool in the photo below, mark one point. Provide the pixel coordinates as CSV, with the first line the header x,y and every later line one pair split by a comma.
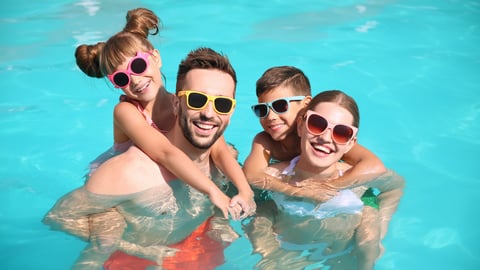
x,y
136,207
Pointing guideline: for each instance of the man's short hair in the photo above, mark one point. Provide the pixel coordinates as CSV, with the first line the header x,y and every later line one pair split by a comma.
x,y
204,58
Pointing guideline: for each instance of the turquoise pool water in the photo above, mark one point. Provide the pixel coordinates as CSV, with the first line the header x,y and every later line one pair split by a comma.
x,y
413,67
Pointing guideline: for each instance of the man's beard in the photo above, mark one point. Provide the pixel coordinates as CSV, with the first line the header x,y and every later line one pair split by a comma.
x,y
188,133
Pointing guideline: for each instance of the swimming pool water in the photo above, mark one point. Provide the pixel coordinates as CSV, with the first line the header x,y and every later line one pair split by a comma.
x,y
413,67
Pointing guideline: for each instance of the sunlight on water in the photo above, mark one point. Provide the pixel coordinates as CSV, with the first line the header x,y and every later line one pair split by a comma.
x,y
412,65
441,237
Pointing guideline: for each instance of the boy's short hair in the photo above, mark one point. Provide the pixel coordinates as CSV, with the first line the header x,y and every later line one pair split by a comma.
x,y
287,76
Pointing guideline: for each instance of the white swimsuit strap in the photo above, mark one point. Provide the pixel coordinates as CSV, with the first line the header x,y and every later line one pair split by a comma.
x,y
289,170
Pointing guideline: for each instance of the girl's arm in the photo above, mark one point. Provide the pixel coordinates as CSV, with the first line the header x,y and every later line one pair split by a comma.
x,y
223,157
128,119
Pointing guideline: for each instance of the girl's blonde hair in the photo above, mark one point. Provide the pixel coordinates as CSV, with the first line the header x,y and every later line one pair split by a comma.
x,y
101,59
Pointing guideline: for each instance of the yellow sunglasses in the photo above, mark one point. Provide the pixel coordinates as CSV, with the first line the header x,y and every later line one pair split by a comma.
x,y
198,101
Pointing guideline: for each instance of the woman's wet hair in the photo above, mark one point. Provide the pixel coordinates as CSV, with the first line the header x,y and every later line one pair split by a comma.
x,y
338,97
101,59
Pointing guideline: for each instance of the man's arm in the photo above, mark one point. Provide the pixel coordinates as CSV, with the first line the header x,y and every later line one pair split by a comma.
x,y
70,213
224,159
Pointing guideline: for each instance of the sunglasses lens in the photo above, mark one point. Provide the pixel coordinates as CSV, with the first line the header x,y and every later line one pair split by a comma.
x,y
138,65
316,124
260,110
223,105
342,134
280,106
121,79
197,100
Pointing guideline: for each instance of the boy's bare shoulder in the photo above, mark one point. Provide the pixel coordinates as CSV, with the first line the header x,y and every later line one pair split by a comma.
x,y
263,138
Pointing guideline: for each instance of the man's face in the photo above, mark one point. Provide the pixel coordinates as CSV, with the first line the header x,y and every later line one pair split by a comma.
x,y
203,127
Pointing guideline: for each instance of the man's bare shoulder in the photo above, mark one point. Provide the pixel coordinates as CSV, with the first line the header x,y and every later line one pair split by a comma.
x,y
130,172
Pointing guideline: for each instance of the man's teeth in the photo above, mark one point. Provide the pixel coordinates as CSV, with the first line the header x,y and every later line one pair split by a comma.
x,y
204,126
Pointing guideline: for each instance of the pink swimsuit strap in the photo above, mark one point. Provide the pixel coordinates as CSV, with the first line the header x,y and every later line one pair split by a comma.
x,y
140,109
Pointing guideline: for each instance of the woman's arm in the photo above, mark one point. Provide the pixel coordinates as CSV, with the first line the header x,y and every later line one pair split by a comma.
x,y
367,239
391,186
224,159
260,229
160,150
260,232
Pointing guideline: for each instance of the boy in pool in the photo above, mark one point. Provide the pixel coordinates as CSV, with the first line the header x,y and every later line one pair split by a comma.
x,y
145,111
282,92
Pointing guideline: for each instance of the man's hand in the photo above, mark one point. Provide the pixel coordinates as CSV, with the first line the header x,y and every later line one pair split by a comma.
x,y
246,202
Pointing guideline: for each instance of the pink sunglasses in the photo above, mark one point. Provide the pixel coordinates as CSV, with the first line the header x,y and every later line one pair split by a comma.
x,y
136,66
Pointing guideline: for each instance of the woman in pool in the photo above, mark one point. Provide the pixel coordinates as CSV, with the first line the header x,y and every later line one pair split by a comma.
x,y
146,110
282,92
295,231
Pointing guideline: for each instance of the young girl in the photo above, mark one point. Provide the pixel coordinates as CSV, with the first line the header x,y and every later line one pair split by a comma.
x,y
146,110
134,212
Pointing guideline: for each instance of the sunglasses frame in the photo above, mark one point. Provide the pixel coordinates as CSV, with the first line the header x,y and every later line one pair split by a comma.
x,y
209,98
269,105
330,126
128,71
